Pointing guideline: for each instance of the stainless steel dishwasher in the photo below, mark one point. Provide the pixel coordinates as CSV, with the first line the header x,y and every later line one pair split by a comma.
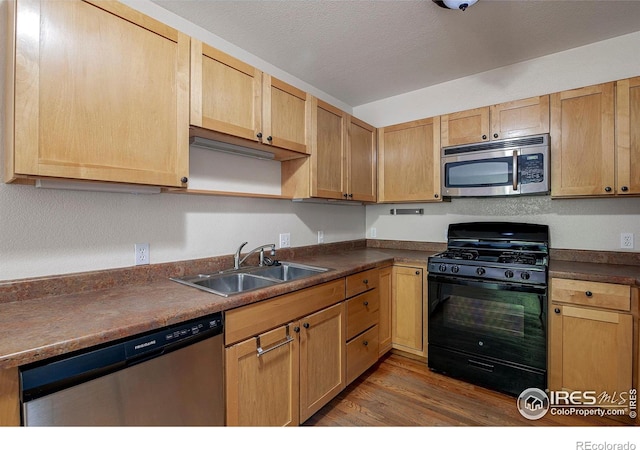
x,y
171,376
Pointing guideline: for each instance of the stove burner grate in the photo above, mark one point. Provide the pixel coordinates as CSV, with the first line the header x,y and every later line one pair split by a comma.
x,y
517,258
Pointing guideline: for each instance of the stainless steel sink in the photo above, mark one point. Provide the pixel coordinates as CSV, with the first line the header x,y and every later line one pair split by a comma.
x,y
287,271
249,278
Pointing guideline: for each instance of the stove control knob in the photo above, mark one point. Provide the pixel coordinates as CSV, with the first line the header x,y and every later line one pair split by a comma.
x,y
480,271
525,275
508,274
443,268
455,269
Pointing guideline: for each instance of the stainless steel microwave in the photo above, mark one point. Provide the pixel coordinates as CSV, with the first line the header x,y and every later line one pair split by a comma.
x,y
517,166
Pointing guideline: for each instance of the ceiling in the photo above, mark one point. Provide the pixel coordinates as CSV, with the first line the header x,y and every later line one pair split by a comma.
x,y
359,51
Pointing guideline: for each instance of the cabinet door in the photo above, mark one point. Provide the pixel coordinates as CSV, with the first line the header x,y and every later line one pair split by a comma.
x,y
590,349
285,115
322,358
384,316
361,164
225,93
87,103
408,312
409,161
465,127
262,379
582,142
328,151
628,136
518,118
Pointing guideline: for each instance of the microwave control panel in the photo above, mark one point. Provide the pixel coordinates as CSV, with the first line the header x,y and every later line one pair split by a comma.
x,y
531,168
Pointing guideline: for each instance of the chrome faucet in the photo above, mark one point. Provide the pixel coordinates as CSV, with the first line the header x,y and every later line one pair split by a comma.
x,y
237,262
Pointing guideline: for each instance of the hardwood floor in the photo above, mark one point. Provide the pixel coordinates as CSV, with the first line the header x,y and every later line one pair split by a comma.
x,y
399,391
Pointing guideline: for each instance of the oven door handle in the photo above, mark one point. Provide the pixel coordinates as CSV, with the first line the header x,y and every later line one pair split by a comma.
x,y
490,284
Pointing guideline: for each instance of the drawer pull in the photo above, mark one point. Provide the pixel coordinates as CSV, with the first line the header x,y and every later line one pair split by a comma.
x,y
588,293
365,281
557,310
365,342
260,351
365,303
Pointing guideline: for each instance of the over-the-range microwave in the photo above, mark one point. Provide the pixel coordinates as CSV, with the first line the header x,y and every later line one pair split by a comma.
x,y
516,166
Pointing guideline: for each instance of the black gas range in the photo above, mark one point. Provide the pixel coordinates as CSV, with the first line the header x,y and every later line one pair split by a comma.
x,y
487,298
502,251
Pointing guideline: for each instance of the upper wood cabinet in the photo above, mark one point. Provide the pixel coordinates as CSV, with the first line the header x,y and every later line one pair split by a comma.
x,y
231,97
96,91
583,142
328,151
628,136
506,120
361,161
409,161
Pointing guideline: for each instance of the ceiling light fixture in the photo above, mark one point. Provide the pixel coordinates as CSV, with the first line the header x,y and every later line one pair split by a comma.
x,y
455,4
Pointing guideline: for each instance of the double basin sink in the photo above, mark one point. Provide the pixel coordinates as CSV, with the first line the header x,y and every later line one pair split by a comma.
x,y
250,278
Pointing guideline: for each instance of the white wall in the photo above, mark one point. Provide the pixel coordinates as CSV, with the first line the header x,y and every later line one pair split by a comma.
x,y
49,232
574,223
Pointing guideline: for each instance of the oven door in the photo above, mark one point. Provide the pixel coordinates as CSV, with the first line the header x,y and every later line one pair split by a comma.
x,y
504,321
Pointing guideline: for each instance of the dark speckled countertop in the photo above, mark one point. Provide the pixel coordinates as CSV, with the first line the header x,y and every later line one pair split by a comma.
x,y
42,318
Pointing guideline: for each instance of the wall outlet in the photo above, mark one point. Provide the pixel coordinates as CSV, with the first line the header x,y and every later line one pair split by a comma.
x,y
374,232
142,254
285,240
320,237
626,240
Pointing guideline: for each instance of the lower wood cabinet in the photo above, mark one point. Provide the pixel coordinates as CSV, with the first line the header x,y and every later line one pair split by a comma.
x,y
384,315
591,336
262,379
408,310
285,356
322,359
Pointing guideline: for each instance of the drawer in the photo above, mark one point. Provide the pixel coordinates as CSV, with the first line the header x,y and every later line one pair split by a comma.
x,y
591,293
362,353
362,312
361,282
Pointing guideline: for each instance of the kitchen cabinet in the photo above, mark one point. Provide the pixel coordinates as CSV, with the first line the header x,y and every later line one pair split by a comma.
x,y
361,161
322,359
342,165
408,310
302,335
83,95
583,142
9,397
409,161
363,308
628,136
235,99
591,336
517,118
384,315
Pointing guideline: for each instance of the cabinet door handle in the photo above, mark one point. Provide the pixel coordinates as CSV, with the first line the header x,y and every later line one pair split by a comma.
x,y
607,189
495,135
484,136
296,329
365,303
259,135
306,324
557,310
269,138
260,351
588,293
624,188
417,272
184,180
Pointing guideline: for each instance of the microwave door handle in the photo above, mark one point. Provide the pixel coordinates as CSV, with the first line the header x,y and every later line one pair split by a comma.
x,y
515,170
